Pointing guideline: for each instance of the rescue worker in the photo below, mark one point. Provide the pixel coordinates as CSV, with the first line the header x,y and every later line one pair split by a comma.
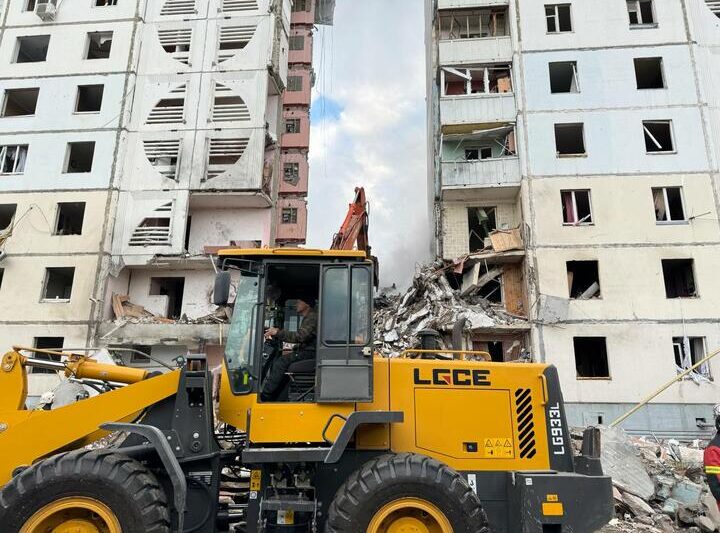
x,y
304,337
711,459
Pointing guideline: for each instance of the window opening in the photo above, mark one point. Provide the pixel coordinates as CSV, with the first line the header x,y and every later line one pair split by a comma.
x,y
688,352
103,3
591,359
294,83
583,280
576,207
7,215
641,12
80,157
649,73
99,45
481,221
70,216
558,18
32,48
289,215
679,278
476,80
300,5
13,158
291,173
563,77
473,24
58,283
297,42
658,136
20,102
47,343
569,139
292,125
173,288
475,154
2,274
668,204
29,5
89,98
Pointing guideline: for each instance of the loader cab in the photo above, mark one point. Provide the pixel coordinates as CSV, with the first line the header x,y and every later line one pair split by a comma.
x,y
262,286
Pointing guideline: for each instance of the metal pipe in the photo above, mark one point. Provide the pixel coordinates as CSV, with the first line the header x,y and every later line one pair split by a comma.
x,y
663,389
45,364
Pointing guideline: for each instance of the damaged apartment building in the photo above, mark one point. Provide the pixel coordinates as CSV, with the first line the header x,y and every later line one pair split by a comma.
x,y
136,138
585,139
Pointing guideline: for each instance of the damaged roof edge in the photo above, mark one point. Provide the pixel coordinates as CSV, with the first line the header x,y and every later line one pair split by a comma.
x,y
325,12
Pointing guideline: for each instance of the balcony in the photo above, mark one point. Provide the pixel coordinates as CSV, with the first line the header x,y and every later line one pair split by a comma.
x,y
480,50
470,4
498,172
478,109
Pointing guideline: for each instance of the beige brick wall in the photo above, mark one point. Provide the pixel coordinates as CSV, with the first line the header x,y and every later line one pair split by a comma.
x,y
455,224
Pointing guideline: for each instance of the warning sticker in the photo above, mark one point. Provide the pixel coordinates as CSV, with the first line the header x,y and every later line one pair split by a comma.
x,y
498,448
255,480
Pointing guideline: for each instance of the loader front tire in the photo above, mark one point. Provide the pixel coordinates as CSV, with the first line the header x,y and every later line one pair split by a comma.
x,y
84,490
405,492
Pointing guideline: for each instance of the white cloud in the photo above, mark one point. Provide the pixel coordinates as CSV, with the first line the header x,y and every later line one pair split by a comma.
x,y
371,63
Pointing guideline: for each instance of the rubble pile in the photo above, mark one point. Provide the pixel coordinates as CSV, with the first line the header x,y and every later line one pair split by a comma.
x,y
431,303
658,486
126,311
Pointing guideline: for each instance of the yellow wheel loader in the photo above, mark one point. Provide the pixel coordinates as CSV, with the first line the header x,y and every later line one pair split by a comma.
x,y
313,431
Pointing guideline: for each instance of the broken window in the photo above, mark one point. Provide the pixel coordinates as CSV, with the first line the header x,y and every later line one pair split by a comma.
x,y
563,77
289,215
228,106
558,18
47,343
154,230
649,73
32,49
591,359
679,278
658,136
12,158
173,288
640,12
473,24
301,5
29,5
583,280
20,102
79,157
224,153
178,7
570,139
689,351
292,125
58,283
476,80
481,221
297,42
176,43
89,98
164,156
70,216
103,3
232,39
291,173
475,154
294,83
576,207
668,204
7,215
99,44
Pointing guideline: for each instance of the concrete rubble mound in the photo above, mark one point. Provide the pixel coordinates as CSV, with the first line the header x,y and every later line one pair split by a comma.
x,y
431,303
659,485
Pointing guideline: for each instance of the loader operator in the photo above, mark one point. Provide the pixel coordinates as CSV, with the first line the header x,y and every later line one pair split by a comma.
x,y
304,337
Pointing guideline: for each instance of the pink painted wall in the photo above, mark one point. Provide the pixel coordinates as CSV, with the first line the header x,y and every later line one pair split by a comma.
x,y
304,55
304,168
303,96
304,17
297,140
292,232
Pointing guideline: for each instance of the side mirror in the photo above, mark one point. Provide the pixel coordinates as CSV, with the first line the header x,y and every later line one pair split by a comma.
x,y
221,293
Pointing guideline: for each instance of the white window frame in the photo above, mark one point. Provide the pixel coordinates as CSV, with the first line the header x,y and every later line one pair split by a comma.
x,y
556,16
670,221
654,140
465,73
575,210
704,369
3,153
641,23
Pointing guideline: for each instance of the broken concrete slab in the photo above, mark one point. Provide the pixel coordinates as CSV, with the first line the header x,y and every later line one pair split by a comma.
x,y
687,492
621,461
637,506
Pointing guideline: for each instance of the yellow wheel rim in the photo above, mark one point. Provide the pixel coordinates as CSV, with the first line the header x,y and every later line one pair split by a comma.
x,y
409,515
73,515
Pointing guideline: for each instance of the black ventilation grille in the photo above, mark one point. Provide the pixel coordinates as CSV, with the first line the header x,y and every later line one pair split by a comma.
x,y
526,425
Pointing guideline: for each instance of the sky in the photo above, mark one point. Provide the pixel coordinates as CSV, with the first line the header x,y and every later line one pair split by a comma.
x,y
368,129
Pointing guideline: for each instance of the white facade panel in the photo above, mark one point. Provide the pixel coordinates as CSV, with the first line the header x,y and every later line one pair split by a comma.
x,y
502,172
476,51
478,109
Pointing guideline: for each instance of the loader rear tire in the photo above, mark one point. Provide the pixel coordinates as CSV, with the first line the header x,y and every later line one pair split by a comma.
x,y
405,492
97,489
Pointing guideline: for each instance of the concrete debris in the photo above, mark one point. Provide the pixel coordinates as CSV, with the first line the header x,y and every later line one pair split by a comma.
x,y
126,311
431,303
659,486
